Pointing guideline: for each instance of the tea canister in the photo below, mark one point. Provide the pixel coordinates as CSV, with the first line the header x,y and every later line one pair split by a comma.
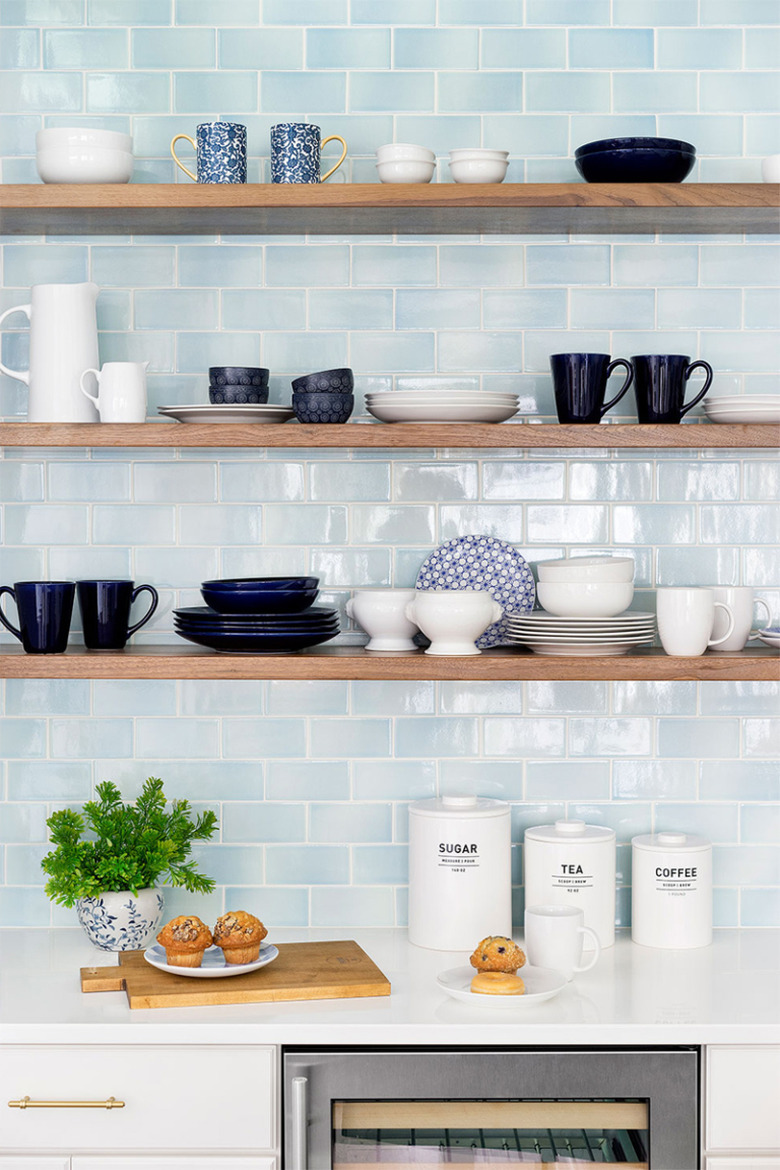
x,y
671,893
460,874
573,864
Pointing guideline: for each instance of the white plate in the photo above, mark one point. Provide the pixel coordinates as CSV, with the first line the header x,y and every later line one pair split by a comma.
x,y
404,396
213,965
742,400
582,650
228,414
741,414
443,412
770,639
581,639
538,618
541,983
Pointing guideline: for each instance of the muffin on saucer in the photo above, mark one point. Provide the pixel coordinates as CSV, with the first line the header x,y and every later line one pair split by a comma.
x,y
185,940
239,935
497,953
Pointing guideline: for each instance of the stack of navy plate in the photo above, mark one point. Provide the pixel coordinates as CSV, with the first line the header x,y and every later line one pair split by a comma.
x,y
258,615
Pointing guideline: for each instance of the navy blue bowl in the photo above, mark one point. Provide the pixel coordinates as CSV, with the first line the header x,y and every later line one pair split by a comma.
x,y
238,395
258,599
635,166
326,382
255,376
323,408
635,144
245,584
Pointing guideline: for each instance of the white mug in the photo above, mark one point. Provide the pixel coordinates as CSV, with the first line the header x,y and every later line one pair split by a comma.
x,y
554,936
740,601
453,619
686,617
121,396
381,614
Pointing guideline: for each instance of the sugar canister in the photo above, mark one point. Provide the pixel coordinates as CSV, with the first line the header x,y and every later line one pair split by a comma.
x,y
573,864
671,891
460,878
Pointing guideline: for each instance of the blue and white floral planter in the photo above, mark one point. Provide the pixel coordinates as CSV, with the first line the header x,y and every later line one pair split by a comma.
x,y
121,920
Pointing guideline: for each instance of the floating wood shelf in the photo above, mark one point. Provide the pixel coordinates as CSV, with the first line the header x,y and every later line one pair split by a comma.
x,y
511,436
376,209
349,662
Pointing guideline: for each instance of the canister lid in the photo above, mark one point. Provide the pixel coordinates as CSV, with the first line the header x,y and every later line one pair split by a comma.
x,y
459,806
575,831
671,843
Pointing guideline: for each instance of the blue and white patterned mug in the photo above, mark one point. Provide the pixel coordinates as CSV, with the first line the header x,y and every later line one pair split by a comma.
x,y
220,153
295,153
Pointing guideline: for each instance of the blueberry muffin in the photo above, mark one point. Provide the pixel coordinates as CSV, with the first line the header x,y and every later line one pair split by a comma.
x,y
496,953
239,934
185,940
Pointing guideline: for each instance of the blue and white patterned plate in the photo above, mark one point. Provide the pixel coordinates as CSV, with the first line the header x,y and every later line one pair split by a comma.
x,y
213,965
482,562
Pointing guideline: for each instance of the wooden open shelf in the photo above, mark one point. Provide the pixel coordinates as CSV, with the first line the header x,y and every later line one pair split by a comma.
x,y
349,662
388,435
376,209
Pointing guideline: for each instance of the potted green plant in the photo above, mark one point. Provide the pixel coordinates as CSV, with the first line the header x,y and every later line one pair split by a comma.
x,y
110,858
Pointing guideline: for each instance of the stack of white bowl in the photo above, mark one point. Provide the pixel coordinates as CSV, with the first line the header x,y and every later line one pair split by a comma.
x,y
598,586
476,164
83,155
401,162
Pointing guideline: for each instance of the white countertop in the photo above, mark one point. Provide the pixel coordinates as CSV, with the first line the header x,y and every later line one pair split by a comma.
x,y
728,993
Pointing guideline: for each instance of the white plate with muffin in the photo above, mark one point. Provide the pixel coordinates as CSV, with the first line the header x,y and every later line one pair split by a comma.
x,y
186,946
492,979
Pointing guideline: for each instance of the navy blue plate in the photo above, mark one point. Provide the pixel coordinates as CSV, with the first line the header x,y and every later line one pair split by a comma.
x,y
205,613
257,643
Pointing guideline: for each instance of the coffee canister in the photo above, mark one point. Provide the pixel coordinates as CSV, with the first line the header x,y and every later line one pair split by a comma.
x,y
460,874
671,891
573,864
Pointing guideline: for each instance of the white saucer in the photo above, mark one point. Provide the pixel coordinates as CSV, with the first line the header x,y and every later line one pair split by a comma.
x,y
249,413
541,983
213,965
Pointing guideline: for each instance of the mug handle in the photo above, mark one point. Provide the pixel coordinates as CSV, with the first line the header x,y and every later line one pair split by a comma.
x,y
175,159
708,382
22,375
410,613
12,629
596,944
760,601
155,598
349,607
630,370
94,398
325,141
730,630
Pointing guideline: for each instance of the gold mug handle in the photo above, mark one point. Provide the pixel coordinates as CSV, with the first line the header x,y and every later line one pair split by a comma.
x,y
194,147
325,141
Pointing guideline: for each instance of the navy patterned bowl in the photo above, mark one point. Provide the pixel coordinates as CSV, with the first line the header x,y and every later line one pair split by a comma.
x,y
238,395
323,408
326,382
254,376
635,166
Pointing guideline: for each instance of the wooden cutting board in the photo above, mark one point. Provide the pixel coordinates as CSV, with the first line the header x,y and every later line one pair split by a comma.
x,y
309,970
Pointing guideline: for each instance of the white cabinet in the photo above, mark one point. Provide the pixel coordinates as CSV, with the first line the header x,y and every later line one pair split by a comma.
x,y
742,1096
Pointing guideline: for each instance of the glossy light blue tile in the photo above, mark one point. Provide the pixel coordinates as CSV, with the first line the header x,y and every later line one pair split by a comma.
x,y
262,482
21,482
174,567
20,49
45,780
176,738
567,781
127,12
654,780
23,822
480,698
220,524
572,91
727,93
698,481
493,352
301,780
612,308
576,524
761,737
176,308
746,865
654,12
761,480
759,907
653,524
656,265
23,863
82,48
322,264
392,698
567,12
612,49
46,696
41,12
543,698
524,737
135,697
440,132
45,92
342,567
610,737
175,48
132,524
741,264
222,264
260,48
299,353
344,823
716,822
698,738
40,524
24,907
251,308
760,823
202,697
346,739
387,524
89,482
68,563
761,133
392,780
503,521
762,308
399,265
309,864
435,481
568,264
202,12
515,308
348,48
654,698
317,92
232,90
380,864
699,48
518,48
307,698
263,738
309,524
626,819
258,822
394,353
465,92
481,265
351,309
517,481
171,482
739,524
283,907
241,864
349,906
697,566
424,737
436,309
91,738
129,92
700,308
51,264
305,12
611,481
394,92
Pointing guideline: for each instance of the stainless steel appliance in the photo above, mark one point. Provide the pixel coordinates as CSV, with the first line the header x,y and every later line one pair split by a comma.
x,y
360,1108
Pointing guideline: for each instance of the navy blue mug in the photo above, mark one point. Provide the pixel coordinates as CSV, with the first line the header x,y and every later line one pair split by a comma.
x,y
295,153
220,153
44,609
580,383
105,612
660,381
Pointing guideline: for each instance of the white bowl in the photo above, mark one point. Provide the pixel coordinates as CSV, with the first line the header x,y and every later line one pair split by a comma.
x,y
594,569
478,170
585,598
406,171
65,136
478,152
89,164
404,151
770,169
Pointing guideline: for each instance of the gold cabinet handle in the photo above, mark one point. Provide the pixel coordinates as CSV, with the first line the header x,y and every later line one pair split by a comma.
x,y
27,1103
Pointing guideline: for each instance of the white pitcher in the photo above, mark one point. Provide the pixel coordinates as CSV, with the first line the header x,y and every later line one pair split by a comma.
x,y
121,396
63,343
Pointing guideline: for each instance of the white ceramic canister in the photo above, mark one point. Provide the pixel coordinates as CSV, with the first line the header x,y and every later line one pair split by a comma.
x,y
573,864
460,873
671,891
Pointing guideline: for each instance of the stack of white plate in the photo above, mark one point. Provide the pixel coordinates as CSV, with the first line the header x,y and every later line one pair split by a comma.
x,y
586,636
443,405
743,408
226,413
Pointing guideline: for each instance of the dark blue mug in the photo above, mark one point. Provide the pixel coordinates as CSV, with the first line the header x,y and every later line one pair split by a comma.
x,y
44,609
105,612
660,380
220,153
580,383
